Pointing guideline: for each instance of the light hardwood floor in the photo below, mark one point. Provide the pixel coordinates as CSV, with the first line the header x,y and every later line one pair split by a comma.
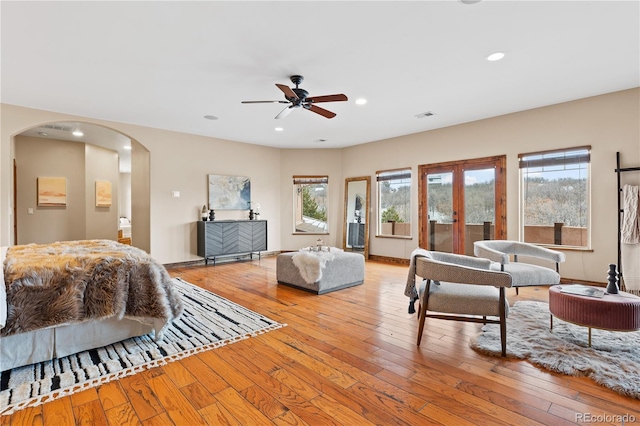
x,y
345,358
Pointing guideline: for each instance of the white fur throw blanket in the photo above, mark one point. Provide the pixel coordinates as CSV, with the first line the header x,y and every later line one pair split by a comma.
x,y
311,263
76,281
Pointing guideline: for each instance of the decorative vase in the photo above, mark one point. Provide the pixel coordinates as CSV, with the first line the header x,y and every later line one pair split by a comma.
x,y
212,215
612,287
251,214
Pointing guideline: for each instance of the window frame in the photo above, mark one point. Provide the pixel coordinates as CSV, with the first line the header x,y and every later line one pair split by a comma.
x,y
303,180
388,175
572,156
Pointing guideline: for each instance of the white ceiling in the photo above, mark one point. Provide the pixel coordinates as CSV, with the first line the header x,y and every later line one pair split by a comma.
x,y
168,64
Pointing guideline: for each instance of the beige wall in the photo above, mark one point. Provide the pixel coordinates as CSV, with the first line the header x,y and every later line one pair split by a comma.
x,y
608,123
181,162
101,164
37,157
311,162
124,195
81,165
140,197
177,162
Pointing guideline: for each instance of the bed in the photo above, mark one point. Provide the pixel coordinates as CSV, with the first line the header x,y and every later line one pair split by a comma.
x,y
66,297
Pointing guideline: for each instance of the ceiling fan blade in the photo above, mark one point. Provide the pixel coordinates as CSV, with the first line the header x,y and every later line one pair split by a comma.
x,y
328,98
323,112
265,102
288,93
284,112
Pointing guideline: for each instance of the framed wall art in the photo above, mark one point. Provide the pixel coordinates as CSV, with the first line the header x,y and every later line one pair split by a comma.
x,y
52,191
103,193
229,192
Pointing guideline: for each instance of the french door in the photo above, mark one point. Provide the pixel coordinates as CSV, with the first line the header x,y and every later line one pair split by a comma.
x,y
462,202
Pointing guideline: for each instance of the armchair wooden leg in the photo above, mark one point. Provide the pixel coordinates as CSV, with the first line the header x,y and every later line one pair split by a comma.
x,y
422,314
517,291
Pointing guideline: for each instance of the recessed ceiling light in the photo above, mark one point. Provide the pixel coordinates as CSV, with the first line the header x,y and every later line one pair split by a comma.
x,y
278,129
425,114
320,140
495,56
126,147
43,134
77,133
361,101
210,117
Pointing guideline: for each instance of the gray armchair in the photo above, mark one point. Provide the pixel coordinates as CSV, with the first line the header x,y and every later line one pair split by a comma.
x,y
523,274
461,288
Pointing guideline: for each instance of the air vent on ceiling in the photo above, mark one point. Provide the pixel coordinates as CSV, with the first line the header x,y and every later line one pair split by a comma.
x,y
425,114
61,127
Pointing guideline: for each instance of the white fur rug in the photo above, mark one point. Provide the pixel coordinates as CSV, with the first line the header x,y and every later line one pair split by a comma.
x,y
613,360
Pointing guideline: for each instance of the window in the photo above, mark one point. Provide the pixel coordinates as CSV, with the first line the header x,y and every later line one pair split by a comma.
x,y
555,197
394,203
310,204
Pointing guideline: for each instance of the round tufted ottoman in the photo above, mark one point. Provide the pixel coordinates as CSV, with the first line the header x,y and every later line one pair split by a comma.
x,y
616,312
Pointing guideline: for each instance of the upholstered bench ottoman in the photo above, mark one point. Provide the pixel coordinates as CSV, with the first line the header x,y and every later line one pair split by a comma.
x,y
320,272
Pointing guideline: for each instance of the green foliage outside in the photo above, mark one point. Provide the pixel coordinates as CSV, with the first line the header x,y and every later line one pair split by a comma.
x,y
310,206
395,201
391,215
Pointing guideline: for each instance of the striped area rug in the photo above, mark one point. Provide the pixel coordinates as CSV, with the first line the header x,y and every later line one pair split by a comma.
x,y
208,322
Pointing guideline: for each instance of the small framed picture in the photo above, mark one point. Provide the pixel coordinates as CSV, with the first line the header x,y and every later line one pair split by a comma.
x,y
103,193
52,191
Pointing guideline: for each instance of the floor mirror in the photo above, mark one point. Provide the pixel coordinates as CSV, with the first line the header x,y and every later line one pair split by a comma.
x,y
356,215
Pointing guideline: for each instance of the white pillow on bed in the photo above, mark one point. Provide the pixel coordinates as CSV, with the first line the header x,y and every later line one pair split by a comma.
x,y
3,289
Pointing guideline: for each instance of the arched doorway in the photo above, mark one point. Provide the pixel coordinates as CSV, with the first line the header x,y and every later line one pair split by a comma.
x,y
93,154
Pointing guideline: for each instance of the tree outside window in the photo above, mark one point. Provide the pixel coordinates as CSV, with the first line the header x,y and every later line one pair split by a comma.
x,y
394,202
310,204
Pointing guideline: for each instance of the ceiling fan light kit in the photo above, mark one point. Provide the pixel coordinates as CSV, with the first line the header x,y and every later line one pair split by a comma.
x,y
297,97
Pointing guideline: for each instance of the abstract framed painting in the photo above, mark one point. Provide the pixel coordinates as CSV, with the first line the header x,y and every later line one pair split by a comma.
x,y
229,192
52,191
103,193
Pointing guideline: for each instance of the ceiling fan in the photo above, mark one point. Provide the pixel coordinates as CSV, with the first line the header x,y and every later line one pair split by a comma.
x,y
297,97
